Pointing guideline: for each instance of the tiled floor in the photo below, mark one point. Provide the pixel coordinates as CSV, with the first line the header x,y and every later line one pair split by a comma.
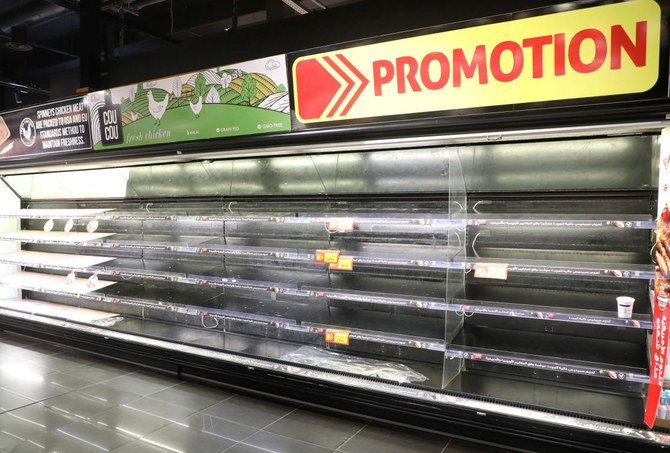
x,y
57,400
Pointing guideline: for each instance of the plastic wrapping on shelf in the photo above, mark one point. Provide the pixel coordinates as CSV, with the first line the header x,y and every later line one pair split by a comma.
x,y
107,322
310,355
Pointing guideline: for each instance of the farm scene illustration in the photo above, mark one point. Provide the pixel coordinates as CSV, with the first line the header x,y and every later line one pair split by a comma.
x,y
249,98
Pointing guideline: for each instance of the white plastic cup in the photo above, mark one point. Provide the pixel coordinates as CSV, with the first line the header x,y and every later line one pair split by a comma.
x,y
625,306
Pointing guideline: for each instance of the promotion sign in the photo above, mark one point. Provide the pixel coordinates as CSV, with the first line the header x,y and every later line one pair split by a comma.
x,y
49,128
613,49
241,99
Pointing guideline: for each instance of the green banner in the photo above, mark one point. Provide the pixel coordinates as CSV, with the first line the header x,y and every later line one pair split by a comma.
x,y
241,99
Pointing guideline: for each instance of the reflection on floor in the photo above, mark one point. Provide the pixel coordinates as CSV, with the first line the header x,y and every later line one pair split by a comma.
x,y
56,399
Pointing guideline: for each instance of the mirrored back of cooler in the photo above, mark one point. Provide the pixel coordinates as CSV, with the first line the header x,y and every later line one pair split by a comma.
x,y
490,270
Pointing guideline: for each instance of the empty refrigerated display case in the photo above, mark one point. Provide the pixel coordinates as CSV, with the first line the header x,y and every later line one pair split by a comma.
x,y
462,275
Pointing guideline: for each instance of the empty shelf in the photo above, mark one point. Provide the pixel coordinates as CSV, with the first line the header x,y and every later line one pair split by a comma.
x,y
358,330
52,213
595,317
562,221
52,260
560,353
564,268
37,307
53,236
36,281
555,395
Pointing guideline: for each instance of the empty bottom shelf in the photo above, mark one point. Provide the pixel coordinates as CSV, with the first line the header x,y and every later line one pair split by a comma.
x,y
616,407
251,345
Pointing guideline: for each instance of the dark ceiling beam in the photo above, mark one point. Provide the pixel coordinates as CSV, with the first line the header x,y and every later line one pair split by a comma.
x,y
21,87
51,49
29,14
120,21
90,43
189,16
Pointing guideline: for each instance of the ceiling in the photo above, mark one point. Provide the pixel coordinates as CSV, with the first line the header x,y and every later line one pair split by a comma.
x,y
42,38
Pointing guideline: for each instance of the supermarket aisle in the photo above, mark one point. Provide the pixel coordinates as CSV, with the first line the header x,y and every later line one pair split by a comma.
x,y
55,399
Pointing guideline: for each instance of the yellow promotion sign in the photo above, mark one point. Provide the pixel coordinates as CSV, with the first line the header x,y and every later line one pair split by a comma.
x,y
605,50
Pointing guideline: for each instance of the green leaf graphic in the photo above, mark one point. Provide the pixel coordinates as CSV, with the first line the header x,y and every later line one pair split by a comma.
x,y
248,89
200,86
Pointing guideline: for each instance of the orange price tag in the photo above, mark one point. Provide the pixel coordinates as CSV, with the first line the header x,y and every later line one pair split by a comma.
x,y
345,263
337,336
491,270
320,256
331,256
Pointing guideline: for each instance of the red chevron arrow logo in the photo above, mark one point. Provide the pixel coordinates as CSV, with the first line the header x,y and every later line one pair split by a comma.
x,y
326,81
348,80
364,82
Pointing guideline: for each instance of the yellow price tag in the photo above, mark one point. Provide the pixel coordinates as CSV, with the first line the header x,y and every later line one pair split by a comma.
x,y
337,336
331,256
345,263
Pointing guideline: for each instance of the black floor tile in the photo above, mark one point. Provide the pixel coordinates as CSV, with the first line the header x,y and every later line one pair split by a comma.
x,y
326,431
143,382
41,347
37,391
66,381
8,442
393,440
180,438
55,441
95,435
219,427
9,338
97,372
78,405
245,448
249,411
63,361
462,446
193,396
9,400
32,381
109,395
37,416
20,370
280,444
161,409
131,422
141,447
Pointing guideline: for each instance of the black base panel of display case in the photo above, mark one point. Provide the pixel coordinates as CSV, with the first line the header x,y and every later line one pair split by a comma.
x,y
453,421
589,402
